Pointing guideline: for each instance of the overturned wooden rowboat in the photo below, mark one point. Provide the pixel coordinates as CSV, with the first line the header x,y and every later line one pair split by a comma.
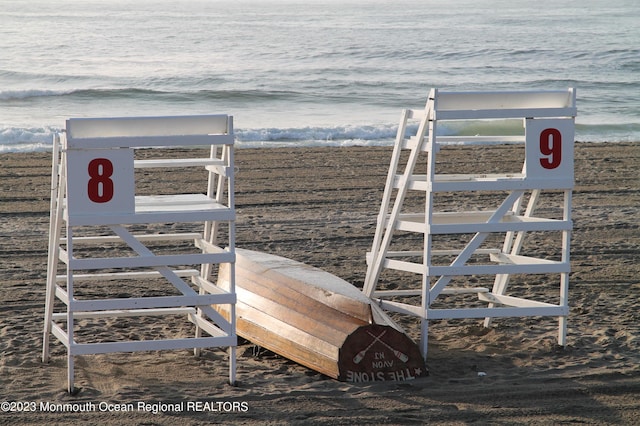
x,y
318,320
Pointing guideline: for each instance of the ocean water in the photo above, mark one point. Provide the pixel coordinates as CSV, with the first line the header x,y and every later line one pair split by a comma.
x,y
305,72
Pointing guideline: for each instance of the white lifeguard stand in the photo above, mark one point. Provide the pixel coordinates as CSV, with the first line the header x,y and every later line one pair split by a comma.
x,y
96,216
485,238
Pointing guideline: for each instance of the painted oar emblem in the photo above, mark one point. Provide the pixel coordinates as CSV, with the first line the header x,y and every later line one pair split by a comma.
x,y
360,355
402,357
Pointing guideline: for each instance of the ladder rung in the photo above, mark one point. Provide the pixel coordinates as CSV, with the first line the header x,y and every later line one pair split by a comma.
x,y
474,140
541,267
411,142
112,276
181,162
401,265
148,237
418,292
419,182
507,264
515,301
150,345
124,313
149,261
470,222
415,182
416,253
512,259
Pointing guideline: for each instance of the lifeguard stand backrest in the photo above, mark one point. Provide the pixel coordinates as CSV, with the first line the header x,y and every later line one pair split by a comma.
x,y
486,105
149,131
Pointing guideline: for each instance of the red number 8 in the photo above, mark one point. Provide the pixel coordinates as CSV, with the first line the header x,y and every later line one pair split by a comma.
x,y
551,146
100,187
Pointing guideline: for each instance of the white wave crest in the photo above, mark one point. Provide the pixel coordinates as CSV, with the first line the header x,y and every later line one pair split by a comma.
x,y
12,95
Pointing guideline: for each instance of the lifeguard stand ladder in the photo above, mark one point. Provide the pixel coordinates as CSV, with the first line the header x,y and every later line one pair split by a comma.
x,y
94,202
502,209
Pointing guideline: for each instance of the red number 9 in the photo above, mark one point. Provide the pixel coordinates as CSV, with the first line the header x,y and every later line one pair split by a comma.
x,y
551,147
100,187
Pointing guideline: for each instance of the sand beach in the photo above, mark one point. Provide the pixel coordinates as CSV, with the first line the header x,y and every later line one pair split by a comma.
x,y
319,206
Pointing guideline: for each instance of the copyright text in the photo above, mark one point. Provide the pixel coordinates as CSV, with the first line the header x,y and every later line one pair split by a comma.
x,y
138,406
